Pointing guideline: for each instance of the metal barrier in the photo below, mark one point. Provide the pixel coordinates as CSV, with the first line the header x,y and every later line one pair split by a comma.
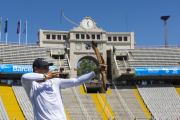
x,y
68,61
85,87
67,117
105,109
116,62
159,46
124,63
17,43
115,59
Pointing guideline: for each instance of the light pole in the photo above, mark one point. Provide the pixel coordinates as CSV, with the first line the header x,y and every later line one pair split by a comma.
x,y
165,27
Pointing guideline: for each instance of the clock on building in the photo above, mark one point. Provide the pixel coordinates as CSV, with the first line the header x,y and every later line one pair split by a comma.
x,y
87,23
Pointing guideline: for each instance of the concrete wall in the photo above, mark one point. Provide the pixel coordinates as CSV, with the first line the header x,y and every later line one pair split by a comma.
x,y
77,47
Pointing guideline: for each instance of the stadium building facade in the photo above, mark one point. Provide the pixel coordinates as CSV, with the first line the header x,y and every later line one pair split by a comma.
x,y
145,80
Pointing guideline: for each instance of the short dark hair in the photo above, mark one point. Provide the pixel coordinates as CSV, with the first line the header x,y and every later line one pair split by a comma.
x,y
33,69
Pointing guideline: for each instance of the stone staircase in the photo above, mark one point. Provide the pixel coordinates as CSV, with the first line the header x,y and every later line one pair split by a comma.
x,y
71,104
115,105
88,104
131,101
66,64
121,64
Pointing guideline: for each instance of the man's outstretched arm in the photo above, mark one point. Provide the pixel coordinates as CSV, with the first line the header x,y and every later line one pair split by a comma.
x,y
66,83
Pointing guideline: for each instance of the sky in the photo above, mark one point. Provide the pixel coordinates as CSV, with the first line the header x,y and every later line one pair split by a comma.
x,y
143,18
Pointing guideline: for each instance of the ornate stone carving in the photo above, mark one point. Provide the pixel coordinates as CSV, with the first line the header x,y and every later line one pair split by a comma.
x,y
78,46
99,46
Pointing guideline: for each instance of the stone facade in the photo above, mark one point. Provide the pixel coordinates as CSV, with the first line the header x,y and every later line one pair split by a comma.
x,y
78,42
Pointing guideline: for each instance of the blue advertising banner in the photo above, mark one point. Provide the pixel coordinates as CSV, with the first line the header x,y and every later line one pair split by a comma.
x,y
19,68
158,71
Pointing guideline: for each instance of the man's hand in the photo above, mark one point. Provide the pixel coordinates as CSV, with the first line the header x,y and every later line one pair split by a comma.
x,y
100,67
53,74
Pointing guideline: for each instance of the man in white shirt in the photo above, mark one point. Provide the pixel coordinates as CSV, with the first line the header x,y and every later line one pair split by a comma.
x,y
43,89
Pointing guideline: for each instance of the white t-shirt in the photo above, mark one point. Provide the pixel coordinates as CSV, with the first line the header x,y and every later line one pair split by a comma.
x,y
45,96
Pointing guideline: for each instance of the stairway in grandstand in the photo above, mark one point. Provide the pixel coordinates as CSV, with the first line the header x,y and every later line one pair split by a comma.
x,y
116,107
162,100
71,104
141,102
96,103
10,104
88,103
128,96
23,101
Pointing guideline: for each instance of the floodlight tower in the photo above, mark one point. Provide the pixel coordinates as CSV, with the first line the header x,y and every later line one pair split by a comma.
x,y
165,26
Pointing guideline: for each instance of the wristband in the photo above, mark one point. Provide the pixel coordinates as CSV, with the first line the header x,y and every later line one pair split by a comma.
x,y
46,75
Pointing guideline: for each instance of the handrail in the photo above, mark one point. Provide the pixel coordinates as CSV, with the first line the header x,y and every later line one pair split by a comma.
x,y
158,46
67,117
115,59
128,54
106,110
68,61
59,61
85,87
124,62
81,105
124,104
17,43
51,52
116,62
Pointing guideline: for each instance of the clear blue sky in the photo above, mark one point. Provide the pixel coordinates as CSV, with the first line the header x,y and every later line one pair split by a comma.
x,y
110,15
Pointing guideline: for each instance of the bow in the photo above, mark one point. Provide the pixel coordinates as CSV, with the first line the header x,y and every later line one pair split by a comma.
x,y
101,61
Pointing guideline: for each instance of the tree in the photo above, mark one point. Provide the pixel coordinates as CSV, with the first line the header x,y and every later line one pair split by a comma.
x,y
85,66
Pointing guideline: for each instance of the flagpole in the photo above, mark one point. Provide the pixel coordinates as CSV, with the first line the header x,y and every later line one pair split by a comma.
x,y
6,32
26,32
0,29
6,38
19,32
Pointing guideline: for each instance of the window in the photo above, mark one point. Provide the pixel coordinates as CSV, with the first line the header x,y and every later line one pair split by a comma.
x,y
59,37
47,36
53,36
98,37
120,38
109,38
82,36
114,38
87,37
77,36
125,38
64,37
93,36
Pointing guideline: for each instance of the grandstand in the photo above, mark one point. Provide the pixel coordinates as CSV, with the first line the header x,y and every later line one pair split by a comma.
x,y
162,100
23,101
145,81
149,57
3,114
158,100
